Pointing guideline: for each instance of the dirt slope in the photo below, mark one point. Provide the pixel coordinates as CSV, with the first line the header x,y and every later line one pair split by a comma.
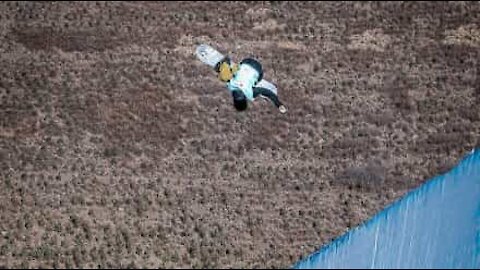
x,y
118,148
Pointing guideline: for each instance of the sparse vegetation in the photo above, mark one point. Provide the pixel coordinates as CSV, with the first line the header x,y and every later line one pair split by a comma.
x,y
119,149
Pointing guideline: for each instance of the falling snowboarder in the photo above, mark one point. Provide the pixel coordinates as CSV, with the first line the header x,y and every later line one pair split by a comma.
x,y
244,80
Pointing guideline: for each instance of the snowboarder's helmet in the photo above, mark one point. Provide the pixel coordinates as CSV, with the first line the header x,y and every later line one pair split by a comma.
x,y
239,100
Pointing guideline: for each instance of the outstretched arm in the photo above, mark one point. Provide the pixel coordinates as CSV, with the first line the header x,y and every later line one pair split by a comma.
x,y
270,95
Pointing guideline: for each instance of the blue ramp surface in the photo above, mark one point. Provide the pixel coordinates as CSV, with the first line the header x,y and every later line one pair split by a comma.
x,y
434,226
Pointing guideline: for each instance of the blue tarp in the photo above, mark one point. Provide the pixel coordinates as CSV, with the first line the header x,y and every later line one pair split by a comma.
x,y
434,226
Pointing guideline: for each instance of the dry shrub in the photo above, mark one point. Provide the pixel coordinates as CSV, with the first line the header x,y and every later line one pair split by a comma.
x,y
370,177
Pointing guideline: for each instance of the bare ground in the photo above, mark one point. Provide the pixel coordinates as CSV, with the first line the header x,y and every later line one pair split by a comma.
x,y
119,149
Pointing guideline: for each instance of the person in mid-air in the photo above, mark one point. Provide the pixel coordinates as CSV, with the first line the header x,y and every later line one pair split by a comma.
x,y
242,82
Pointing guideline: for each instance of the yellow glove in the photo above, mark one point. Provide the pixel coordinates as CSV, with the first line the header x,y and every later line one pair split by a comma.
x,y
226,72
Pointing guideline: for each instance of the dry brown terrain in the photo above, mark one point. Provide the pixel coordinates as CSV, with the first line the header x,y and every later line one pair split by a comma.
x,y
119,149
